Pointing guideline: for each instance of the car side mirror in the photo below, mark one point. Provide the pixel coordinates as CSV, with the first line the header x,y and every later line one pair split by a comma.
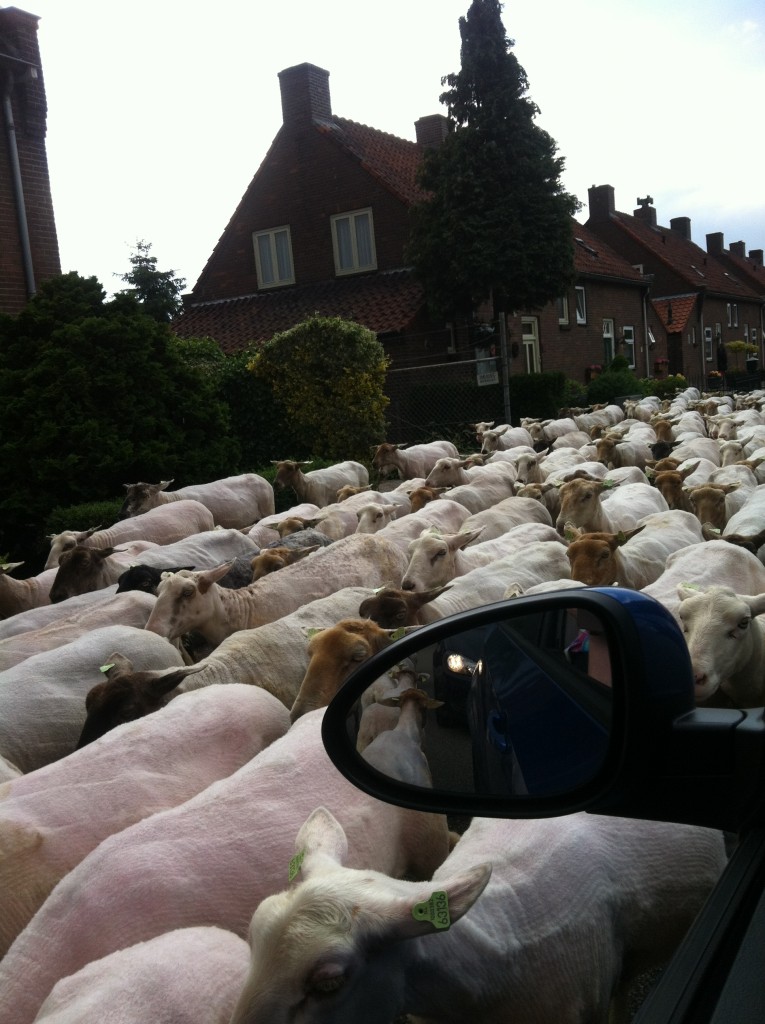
x,y
581,699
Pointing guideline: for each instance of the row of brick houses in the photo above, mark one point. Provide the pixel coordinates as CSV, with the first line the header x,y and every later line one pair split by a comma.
x,y
322,229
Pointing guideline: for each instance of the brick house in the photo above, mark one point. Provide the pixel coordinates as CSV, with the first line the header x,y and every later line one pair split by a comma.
x,y
28,241
698,299
604,313
323,227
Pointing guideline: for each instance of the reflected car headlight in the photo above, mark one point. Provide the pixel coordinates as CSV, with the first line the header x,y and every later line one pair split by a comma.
x,y
461,665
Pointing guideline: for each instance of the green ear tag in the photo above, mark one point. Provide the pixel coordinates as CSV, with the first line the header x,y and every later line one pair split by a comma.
x,y
435,910
398,633
105,668
295,865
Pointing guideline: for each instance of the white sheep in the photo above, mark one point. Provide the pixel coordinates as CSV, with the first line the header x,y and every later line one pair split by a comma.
x,y
435,559
544,921
193,600
185,974
319,486
210,861
236,502
726,642
50,819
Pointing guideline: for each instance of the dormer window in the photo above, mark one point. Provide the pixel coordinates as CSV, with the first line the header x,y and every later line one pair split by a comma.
x,y
353,242
273,257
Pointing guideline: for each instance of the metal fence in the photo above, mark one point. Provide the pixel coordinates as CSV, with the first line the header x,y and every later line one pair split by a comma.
x,y
441,400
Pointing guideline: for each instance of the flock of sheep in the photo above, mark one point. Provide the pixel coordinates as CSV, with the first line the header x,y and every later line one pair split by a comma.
x,y
167,793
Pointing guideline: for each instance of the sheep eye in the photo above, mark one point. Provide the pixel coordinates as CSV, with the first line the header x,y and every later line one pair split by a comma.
x,y
326,986
743,624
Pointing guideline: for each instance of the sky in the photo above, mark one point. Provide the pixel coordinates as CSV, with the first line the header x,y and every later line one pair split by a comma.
x,y
161,111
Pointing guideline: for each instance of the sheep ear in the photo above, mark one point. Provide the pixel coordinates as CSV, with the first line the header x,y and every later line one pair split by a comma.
x,y
686,590
437,905
321,844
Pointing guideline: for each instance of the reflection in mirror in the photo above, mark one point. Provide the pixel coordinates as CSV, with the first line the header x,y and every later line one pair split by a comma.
x,y
518,707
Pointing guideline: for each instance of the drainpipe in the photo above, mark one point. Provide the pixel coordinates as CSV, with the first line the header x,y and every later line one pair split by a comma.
x,y
18,188
646,336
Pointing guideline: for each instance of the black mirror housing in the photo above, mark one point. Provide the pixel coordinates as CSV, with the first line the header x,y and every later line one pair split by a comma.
x,y
546,728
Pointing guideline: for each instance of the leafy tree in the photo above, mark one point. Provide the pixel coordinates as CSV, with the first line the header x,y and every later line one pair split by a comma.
x,y
497,223
326,377
94,395
157,291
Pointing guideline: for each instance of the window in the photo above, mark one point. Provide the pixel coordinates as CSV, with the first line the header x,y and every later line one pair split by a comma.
x,y
718,332
729,308
692,336
273,257
629,345
708,343
746,332
608,341
353,242
581,304
754,336
735,314
562,304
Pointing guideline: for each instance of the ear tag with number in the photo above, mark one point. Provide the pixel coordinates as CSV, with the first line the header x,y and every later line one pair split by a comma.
x,y
295,865
435,910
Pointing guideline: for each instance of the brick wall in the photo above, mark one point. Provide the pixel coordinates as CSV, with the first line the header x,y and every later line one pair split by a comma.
x,y
18,41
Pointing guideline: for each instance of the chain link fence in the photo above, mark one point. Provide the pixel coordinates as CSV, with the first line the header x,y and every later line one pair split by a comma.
x,y
441,401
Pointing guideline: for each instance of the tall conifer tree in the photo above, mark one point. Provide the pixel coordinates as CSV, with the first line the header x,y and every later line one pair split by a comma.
x,y
497,223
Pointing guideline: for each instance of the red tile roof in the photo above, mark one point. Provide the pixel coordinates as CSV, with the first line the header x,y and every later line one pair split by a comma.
x,y
684,257
391,160
675,312
385,303
593,257
747,270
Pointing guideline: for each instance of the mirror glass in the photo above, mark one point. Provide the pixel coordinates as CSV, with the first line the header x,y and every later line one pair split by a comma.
x,y
518,707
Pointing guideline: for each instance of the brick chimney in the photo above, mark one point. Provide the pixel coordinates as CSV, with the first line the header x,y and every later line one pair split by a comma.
x,y
432,130
645,211
681,226
715,243
600,199
305,94
755,255
738,249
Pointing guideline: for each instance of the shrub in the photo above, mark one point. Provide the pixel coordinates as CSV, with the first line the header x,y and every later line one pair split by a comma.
x,y
612,384
326,378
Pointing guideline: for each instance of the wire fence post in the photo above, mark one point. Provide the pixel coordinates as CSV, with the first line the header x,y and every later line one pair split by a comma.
x,y
504,360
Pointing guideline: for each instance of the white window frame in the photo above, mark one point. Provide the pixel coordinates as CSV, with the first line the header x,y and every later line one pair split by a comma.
x,y
708,344
274,272
581,304
562,306
754,336
608,340
628,341
353,261
735,314
746,332
729,310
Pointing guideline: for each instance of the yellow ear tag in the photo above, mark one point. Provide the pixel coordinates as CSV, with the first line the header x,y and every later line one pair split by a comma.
x,y
435,910
105,668
295,865
398,633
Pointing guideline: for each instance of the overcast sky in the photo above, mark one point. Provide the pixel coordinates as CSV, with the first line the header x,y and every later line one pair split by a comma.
x,y
161,111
